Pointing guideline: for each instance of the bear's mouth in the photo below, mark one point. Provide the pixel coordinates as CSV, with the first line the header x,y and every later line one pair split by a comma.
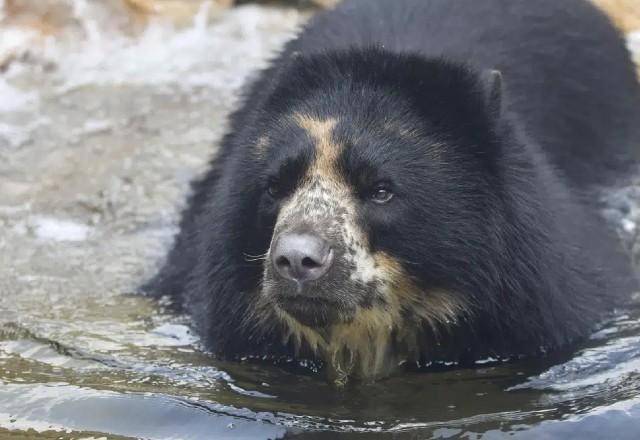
x,y
312,311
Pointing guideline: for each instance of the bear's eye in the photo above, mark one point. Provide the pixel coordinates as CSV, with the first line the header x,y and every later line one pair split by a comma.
x,y
274,188
381,194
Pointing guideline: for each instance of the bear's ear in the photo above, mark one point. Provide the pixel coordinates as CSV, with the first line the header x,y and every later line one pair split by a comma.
x,y
492,84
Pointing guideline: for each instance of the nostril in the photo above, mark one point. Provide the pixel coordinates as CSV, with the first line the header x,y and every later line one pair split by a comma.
x,y
301,257
283,262
310,263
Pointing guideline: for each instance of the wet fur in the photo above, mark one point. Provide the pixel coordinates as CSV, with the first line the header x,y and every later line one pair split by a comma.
x,y
502,252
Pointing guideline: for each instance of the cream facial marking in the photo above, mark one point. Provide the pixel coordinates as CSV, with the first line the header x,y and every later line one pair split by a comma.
x,y
327,151
333,187
363,347
375,293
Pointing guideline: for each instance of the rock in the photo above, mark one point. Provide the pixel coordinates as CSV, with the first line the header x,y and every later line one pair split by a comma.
x,y
43,16
179,12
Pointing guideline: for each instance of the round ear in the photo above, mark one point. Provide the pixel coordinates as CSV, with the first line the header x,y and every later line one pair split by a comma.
x,y
492,84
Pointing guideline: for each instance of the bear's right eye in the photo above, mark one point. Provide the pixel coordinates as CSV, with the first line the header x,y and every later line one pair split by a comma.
x,y
274,188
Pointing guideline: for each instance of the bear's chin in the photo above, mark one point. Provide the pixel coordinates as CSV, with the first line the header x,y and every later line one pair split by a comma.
x,y
313,312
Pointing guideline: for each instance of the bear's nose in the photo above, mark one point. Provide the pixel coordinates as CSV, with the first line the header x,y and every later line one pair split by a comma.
x,y
301,257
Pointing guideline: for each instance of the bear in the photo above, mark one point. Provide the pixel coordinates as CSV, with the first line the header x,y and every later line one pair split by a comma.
x,y
416,182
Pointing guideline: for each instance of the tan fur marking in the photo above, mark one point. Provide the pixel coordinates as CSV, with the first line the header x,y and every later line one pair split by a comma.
x,y
327,151
624,13
435,308
362,347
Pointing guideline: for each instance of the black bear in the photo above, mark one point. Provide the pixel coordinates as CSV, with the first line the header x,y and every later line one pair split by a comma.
x,y
416,181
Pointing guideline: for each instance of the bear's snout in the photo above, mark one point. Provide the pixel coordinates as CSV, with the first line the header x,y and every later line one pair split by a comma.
x,y
301,257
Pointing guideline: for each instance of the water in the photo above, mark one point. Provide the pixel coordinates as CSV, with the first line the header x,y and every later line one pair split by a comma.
x,y
99,137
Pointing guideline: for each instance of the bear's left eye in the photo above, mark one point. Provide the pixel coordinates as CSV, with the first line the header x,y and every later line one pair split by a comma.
x,y
381,194
276,188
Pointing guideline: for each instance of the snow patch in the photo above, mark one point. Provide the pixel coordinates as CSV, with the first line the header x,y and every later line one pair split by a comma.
x,y
173,335
12,99
164,55
634,40
50,228
94,126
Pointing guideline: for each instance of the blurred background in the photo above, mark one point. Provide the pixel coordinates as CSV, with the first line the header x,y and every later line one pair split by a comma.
x,y
108,108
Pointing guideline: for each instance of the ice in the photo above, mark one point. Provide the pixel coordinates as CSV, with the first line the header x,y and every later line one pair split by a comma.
x,y
50,228
172,335
15,39
13,135
163,54
94,126
622,208
12,99
634,40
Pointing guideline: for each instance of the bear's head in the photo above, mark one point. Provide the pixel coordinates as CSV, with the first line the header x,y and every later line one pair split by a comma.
x,y
379,181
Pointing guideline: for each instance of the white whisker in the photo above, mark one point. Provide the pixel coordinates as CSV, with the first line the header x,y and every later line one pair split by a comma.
x,y
251,258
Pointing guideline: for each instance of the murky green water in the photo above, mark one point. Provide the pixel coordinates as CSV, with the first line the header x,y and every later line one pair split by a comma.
x,y
98,140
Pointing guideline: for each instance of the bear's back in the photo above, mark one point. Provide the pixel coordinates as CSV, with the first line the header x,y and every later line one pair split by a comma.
x,y
568,75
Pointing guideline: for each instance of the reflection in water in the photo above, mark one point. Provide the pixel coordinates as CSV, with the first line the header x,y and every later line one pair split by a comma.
x,y
98,140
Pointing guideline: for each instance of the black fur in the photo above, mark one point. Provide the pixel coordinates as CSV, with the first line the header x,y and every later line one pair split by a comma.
x,y
495,190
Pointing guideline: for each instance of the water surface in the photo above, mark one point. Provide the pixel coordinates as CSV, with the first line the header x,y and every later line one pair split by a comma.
x,y
99,137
